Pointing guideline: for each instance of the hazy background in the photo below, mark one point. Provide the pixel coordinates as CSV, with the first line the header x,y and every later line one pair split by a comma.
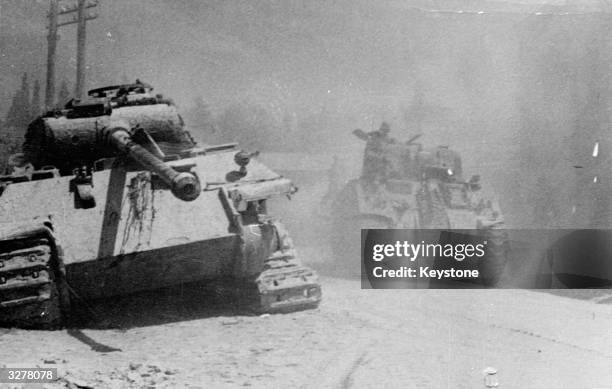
x,y
521,88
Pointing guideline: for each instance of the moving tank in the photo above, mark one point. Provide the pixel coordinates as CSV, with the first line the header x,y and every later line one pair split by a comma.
x,y
404,185
111,195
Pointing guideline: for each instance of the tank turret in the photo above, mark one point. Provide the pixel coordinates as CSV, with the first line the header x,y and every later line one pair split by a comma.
x,y
387,158
118,120
440,162
73,136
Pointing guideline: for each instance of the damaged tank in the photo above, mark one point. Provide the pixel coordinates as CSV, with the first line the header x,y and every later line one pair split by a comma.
x,y
404,185
112,196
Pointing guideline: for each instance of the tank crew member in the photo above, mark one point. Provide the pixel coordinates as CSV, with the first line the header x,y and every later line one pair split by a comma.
x,y
374,161
380,135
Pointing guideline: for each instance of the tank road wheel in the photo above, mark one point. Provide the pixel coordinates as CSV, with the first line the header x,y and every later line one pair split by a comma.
x,y
32,293
493,264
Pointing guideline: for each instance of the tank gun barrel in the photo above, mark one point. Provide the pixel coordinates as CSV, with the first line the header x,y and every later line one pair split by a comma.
x,y
184,186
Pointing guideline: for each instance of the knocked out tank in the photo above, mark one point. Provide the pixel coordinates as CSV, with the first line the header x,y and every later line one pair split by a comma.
x,y
404,185
112,196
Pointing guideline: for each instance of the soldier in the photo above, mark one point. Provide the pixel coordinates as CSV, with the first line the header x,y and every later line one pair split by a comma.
x,y
379,136
374,161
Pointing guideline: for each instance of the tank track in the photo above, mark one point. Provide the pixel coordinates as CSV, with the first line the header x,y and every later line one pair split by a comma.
x,y
29,292
432,209
492,268
284,284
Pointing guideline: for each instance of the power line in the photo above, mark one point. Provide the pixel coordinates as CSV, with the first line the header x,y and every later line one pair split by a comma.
x,y
518,13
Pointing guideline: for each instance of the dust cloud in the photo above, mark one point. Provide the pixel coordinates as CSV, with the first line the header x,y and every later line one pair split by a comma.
x,y
521,89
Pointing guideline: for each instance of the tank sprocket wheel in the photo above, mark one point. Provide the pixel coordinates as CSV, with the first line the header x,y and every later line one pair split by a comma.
x,y
29,295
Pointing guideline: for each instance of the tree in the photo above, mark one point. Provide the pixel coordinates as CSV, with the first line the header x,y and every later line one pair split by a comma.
x,y
63,95
17,120
13,112
201,118
35,107
18,115
250,124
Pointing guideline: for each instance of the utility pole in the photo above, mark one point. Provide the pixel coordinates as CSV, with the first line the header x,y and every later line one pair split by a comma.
x,y
81,34
51,45
81,18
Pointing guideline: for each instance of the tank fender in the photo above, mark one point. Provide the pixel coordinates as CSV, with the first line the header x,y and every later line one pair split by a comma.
x,y
244,194
383,219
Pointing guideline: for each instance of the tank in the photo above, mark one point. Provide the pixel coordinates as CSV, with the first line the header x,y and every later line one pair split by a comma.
x,y
111,196
404,185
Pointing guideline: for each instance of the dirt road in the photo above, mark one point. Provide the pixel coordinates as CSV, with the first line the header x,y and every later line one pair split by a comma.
x,y
356,339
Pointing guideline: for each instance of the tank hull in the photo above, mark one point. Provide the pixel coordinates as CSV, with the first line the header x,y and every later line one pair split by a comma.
x,y
139,236
153,269
133,213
